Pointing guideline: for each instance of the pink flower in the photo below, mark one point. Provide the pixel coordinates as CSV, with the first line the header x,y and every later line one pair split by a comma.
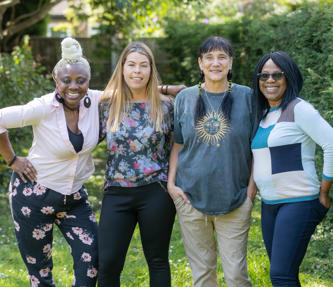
x,y
38,234
205,21
39,189
77,230
57,222
148,171
14,192
92,272
113,148
86,257
31,260
92,218
77,196
17,226
26,211
47,248
47,227
137,165
27,191
16,182
44,272
69,235
47,210
34,281
85,238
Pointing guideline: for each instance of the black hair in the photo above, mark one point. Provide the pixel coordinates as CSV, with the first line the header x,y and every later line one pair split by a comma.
x,y
293,77
214,43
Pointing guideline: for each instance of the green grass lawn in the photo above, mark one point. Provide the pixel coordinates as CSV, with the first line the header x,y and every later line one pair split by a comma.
x,y
316,270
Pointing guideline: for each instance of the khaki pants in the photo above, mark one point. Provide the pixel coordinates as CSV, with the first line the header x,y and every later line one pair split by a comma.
x,y
200,244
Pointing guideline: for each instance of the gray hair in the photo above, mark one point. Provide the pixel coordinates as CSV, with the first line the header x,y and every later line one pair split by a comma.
x,y
71,53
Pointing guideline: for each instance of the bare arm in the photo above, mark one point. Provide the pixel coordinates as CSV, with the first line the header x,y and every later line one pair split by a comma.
x,y
251,187
324,193
21,165
175,191
171,90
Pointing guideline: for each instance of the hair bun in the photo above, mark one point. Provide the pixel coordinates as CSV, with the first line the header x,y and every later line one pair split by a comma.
x,y
71,49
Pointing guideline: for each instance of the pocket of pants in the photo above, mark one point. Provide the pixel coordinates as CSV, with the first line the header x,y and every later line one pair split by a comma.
x,y
322,209
250,201
179,202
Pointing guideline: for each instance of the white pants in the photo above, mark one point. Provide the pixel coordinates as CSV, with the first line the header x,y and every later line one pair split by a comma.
x,y
200,245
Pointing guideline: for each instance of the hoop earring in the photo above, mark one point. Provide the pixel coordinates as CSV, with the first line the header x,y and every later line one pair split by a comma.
x,y
87,102
59,99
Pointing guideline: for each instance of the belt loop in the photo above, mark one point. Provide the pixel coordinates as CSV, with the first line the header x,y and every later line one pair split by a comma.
x,y
64,199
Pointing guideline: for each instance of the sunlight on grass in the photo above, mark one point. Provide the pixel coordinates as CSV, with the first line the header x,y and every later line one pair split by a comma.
x,y
316,270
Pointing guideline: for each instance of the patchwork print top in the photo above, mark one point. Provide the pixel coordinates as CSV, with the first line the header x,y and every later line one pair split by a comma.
x,y
284,153
137,153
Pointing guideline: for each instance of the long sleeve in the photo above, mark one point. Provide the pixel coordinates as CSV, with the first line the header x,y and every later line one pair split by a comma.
x,y
310,121
23,115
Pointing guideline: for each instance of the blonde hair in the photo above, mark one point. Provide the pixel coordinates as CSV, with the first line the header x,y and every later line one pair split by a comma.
x,y
119,94
71,53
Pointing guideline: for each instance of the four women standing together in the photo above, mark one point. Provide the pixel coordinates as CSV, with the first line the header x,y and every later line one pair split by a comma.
x,y
212,176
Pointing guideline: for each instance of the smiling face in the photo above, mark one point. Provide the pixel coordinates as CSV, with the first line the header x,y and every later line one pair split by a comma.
x,y
215,65
72,82
273,90
136,72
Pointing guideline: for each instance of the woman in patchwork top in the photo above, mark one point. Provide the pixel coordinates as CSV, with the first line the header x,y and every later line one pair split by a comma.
x,y
138,122
294,202
47,186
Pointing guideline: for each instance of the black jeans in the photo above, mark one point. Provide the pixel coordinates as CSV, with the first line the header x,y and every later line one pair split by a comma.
x,y
122,208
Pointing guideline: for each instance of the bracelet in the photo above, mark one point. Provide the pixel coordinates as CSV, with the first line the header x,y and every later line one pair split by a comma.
x,y
13,160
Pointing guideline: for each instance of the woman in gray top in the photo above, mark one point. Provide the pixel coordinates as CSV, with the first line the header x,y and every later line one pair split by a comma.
x,y
210,167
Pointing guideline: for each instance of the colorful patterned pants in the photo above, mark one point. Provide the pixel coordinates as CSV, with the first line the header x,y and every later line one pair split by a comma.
x,y
35,209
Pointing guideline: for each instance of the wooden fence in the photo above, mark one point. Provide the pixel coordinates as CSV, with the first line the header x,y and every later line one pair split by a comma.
x,y
48,50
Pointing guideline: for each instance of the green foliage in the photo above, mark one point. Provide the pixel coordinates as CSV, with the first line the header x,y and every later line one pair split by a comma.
x,y
305,34
20,82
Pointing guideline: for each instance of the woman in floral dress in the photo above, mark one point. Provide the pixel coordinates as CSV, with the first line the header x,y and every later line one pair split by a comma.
x,y
138,123
47,186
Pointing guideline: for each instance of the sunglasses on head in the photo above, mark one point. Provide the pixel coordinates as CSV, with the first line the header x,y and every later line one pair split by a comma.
x,y
265,76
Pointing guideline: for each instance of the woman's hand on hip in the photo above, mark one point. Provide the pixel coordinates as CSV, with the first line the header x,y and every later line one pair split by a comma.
x,y
325,199
23,167
176,192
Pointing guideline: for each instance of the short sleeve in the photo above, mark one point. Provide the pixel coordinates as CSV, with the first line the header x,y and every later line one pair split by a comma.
x,y
255,114
178,110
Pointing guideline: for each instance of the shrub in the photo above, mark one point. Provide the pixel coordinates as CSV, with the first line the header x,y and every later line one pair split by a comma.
x,y
20,82
306,34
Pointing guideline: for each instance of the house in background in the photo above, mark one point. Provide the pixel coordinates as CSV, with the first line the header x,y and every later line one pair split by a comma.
x,y
60,26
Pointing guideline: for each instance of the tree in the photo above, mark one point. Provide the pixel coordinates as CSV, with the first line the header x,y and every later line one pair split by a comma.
x,y
18,15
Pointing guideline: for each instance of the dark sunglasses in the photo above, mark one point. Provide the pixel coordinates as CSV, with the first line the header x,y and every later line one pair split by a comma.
x,y
265,76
